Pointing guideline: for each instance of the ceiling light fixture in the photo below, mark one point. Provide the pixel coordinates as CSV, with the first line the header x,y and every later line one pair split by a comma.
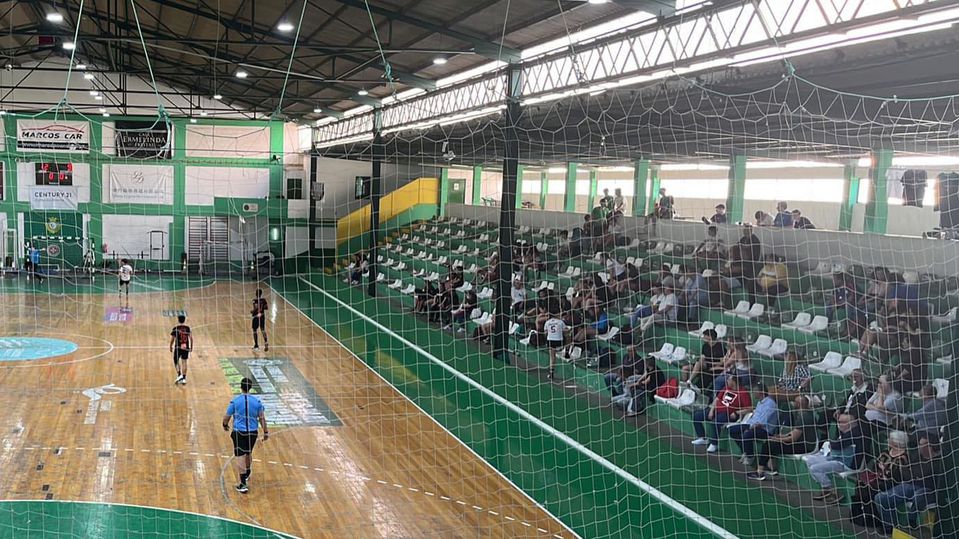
x,y
598,1
81,66
102,110
439,60
192,120
69,45
241,74
98,97
88,76
54,17
203,113
217,97
317,110
94,92
106,114
362,92
285,27
3,112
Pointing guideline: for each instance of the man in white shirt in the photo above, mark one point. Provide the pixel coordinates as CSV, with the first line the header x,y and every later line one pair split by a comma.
x,y
517,294
666,311
126,276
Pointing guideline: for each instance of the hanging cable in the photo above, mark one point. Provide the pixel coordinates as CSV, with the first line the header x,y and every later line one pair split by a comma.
x,y
146,54
387,69
289,67
73,52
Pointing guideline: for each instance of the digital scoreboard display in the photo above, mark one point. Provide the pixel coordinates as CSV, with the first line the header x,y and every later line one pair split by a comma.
x,y
54,173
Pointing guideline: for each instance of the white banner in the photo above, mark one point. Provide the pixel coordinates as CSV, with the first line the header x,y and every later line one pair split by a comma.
x,y
53,136
228,141
52,197
138,184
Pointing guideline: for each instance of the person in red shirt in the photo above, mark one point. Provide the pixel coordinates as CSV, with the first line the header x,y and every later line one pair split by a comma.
x,y
729,405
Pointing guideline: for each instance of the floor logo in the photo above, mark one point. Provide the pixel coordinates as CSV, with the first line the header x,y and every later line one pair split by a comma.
x,y
289,399
171,313
117,315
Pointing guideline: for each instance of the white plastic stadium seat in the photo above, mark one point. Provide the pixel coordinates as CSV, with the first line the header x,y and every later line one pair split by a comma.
x,y
741,308
721,331
466,287
823,268
605,337
850,364
802,320
485,293
755,311
819,323
409,289
947,318
942,388
778,347
678,355
686,398
762,343
397,284
831,360
664,352
702,329
568,273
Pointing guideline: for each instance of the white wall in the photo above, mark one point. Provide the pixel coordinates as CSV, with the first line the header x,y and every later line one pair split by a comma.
x,y
203,184
297,241
129,235
228,141
246,239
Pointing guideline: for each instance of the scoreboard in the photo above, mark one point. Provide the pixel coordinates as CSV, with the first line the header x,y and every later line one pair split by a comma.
x,y
54,173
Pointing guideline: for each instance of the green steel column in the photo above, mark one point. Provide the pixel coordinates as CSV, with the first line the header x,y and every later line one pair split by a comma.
x,y
520,170
877,209
653,190
178,234
444,190
543,183
735,195
593,189
477,185
570,195
850,195
640,184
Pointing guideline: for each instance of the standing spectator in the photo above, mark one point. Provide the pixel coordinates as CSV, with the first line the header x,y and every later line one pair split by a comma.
x,y
763,422
773,280
718,218
712,249
783,219
801,438
664,205
918,489
727,407
619,202
763,218
800,222
693,294
608,199
750,252
846,453
518,295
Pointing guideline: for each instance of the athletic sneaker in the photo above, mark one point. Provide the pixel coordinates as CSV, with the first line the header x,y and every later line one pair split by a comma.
x,y
772,473
712,448
242,488
748,461
179,379
756,476
183,381
256,347
266,347
700,441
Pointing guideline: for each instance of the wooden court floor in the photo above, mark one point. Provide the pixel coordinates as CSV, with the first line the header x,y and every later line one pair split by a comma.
x,y
387,471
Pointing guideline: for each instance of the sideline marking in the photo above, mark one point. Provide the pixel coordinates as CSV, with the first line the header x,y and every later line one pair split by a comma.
x,y
646,487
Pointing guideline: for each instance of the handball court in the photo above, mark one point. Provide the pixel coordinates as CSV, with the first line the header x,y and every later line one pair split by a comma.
x,y
348,455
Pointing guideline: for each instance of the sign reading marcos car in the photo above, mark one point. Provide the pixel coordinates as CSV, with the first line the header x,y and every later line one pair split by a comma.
x,y
53,136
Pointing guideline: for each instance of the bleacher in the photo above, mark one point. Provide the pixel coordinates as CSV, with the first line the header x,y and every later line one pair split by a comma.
x,y
410,257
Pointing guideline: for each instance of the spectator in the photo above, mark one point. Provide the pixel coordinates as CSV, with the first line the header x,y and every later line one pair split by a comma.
x,y
666,312
931,416
642,311
773,280
750,252
710,361
470,302
642,389
619,202
736,363
728,406
731,276
693,294
600,212
615,379
918,489
712,248
616,232
795,378
718,218
763,422
800,439
881,410
889,470
608,199
783,219
911,372
517,295
664,205
800,222
855,403
599,325
844,298
424,296
763,218
845,455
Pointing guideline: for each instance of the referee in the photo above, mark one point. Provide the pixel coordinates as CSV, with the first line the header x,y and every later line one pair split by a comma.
x,y
246,411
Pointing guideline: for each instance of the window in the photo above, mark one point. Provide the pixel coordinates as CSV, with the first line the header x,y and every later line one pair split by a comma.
x,y
294,188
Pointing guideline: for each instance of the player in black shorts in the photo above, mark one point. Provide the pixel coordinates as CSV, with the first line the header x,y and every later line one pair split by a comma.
x,y
181,343
260,306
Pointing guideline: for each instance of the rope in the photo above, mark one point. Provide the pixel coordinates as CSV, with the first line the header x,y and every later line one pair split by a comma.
x,y
160,110
73,53
289,67
387,68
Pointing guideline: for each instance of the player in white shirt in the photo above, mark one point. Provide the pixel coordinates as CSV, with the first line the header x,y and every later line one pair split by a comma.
x,y
126,275
555,329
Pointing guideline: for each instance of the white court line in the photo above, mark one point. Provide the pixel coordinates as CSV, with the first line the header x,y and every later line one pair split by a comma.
x,y
646,487
149,286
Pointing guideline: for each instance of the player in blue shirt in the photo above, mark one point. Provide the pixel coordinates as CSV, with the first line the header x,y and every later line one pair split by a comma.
x,y
247,412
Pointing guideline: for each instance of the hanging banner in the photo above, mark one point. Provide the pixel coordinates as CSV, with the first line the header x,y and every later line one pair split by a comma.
x,y
53,136
44,197
138,184
143,139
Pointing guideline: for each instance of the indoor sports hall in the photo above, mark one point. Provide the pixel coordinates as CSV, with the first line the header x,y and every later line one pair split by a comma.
x,y
499,268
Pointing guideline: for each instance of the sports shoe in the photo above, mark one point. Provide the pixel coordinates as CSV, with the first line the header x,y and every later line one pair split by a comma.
x,y
746,460
266,347
756,476
242,488
256,347
183,381
772,473
712,448
700,441
179,379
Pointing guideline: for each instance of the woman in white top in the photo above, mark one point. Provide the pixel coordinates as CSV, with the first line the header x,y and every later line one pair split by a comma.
x,y
884,404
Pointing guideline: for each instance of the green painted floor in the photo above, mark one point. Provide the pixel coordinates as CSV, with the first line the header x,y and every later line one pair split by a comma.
x,y
142,284
101,520
585,495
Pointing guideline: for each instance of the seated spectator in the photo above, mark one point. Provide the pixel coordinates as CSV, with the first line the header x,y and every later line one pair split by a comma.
x,y
424,296
665,313
921,481
486,275
693,294
712,249
736,363
633,363
616,232
459,314
881,410
664,207
729,405
783,219
763,218
859,393
794,380
619,202
876,292
555,329
800,438
642,311
911,373
889,469
930,417
618,279
718,218
800,222
517,295
598,324
641,390
844,299
845,455
772,281
731,276
709,364
443,304
759,426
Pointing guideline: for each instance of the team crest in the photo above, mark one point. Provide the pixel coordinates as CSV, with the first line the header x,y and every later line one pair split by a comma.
x,y
53,225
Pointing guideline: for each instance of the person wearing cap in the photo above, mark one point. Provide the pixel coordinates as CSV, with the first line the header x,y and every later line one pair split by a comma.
x,y
247,414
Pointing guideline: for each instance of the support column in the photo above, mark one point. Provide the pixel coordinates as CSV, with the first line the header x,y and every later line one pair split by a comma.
x,y
444,191
654,183
520,170
311,221
593,190
543,188
640,185
736,192
877,209
375,186
507,221
477,185
569,203
850,195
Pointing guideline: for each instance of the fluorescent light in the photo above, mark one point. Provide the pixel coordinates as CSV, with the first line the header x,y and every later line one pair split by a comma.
x,y
98,97
598,1
88,76
317,110
81,66
362,92
102,110
439,60
94,93
3,112
203,113
241,74
54,17
192,120
217,97
285,27
69,45
106,114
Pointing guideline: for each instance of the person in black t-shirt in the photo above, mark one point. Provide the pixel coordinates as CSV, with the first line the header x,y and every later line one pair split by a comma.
x,y
751,251
181,343
709,363
260,306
